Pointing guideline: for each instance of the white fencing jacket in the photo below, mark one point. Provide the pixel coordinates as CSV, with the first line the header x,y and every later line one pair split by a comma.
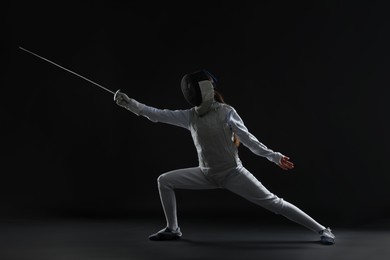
x,y
212,133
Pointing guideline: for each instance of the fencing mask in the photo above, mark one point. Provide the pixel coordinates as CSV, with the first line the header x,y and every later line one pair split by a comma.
x,y
198,90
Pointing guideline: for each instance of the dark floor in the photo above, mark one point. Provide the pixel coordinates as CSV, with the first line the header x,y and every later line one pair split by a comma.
x,y
127,239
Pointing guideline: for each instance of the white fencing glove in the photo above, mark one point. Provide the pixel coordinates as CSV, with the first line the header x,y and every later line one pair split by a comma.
x,y
130,104
121,99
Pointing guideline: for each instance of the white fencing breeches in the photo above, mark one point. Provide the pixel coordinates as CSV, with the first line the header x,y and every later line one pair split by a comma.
x,y
238,180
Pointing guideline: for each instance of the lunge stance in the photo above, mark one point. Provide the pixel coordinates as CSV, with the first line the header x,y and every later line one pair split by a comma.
x,y
216,130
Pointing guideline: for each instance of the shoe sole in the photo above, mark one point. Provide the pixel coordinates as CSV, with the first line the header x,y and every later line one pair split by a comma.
x,y
327,241
162,237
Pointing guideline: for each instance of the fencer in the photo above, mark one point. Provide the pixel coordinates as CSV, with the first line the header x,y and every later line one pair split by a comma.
x,y
217,130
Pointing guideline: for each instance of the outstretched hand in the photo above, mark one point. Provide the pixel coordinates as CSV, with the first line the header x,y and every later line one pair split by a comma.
x,y
121,99
285,163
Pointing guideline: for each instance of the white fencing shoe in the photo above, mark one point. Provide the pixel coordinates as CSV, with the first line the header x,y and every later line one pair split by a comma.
x,y
166,234
327,237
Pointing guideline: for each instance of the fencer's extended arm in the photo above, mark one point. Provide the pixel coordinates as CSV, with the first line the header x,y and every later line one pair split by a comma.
x,y
250,140
173,117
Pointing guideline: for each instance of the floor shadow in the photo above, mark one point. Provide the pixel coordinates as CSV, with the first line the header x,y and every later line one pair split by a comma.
x,y
251,244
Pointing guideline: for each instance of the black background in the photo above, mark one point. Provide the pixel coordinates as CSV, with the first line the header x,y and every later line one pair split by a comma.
x,y
309,79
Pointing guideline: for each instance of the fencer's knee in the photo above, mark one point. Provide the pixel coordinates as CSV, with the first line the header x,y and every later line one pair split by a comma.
x,y
162,180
